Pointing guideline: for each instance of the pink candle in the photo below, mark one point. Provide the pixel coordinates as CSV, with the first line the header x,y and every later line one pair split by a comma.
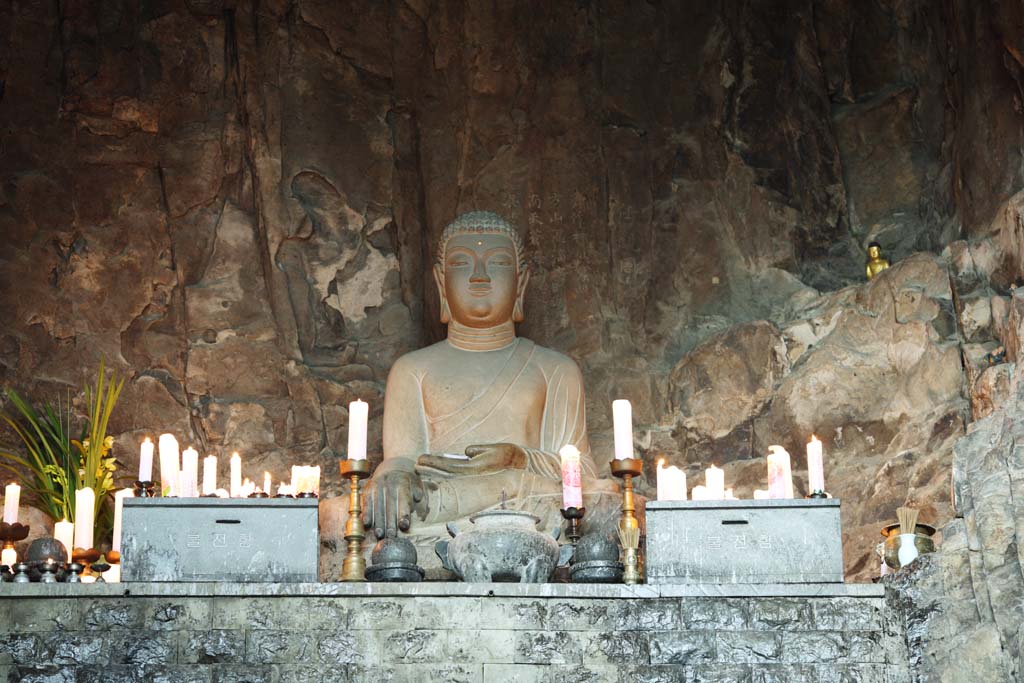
x,y
815,466
572,477
146,460
780,475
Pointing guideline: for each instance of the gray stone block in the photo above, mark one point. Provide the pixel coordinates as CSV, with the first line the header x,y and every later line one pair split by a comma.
x,y
75,647
339,648
853,614
19,615
417,645
419,673
781,613
105,614
17,648
143,648
278,647
177,615
241,673
721,673
617,647
218,646
514,614
481,646
813,646
730,614
313,674
682,647
646,615
547,647
747,646
659,673
42,674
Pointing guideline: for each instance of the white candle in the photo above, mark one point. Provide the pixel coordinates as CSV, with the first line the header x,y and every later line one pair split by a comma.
x,y
146,460
572,477
209,474
714,481
64,531
780,474
358,413
314,479
671,482
235,485
266,483
119,497
189,473
169,465
9,557
815,466
113,575
85,509
622,426
699,493
760,494
12,499
729,495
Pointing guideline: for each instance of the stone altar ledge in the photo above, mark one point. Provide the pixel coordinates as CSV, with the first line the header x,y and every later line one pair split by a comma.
x,y
442,589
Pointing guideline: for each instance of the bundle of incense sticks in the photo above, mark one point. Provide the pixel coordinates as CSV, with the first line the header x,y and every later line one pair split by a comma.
x,y
629,538
908,520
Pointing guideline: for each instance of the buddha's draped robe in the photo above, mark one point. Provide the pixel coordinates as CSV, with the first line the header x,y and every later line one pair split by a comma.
x,y
502,410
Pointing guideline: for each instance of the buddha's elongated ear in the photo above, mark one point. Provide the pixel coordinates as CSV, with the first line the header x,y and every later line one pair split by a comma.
x,y
517,310
446,312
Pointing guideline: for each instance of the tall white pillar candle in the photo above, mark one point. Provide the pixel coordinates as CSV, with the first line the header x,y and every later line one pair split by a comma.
x,y
815,466
572,477
209,475
85,510
146,460
119,497
12,499
64,531
714,481
622,426
266,483
169,465
190,473
235,486
699,493
671,482
358,414
780,473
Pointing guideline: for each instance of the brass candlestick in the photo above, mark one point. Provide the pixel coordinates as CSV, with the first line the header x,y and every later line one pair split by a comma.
x,y
629,525
354,566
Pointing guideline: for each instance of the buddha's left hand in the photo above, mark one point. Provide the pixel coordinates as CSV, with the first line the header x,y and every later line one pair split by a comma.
x,y
483,459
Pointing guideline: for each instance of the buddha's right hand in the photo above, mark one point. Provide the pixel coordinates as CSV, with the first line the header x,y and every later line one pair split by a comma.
x,y
393,493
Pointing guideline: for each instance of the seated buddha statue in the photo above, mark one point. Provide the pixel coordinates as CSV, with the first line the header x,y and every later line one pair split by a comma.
x,y
476,421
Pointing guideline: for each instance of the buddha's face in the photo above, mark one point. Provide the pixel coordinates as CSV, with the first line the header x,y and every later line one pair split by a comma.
x,y
480,280
873,252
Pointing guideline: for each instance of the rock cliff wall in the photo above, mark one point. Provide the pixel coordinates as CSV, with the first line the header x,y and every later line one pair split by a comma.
x,y
235,203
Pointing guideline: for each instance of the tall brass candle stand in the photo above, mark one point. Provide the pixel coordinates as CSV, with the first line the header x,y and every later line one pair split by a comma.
x,y
629,525
354,566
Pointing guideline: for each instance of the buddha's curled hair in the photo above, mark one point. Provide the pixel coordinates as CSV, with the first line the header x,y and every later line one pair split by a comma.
x,y
482,223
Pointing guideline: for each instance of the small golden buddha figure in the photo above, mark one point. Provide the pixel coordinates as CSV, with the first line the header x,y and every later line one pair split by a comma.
x,y
876,264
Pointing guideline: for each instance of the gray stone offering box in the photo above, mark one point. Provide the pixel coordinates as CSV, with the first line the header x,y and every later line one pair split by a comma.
x,y
744,541
220,539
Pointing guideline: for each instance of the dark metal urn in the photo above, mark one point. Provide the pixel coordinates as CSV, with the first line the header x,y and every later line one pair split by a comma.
x,y
394,560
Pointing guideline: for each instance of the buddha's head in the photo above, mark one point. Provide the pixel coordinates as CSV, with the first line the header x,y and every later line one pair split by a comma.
x,y
874,250
481,271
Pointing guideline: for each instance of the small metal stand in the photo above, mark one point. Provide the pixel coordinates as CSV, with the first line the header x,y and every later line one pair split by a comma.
x,y
98,568
48,572
144,489
310,494
21,573
629,525
573,517
354,566
259,494
817,494
75,570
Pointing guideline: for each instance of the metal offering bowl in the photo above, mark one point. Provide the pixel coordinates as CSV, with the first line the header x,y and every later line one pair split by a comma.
x,y
503,545
922,542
